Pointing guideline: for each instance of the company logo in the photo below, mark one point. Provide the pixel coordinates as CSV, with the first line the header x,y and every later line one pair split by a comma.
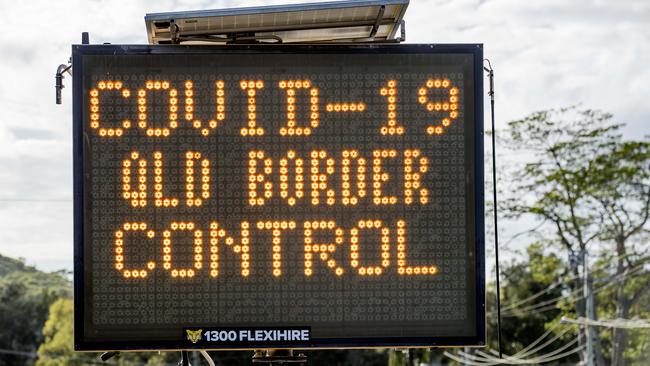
x,y
194,335
222,336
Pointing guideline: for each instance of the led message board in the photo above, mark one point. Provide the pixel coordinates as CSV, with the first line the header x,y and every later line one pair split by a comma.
x,y
278,197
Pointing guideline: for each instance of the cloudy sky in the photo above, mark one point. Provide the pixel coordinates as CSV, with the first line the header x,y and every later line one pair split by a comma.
x,y
546,54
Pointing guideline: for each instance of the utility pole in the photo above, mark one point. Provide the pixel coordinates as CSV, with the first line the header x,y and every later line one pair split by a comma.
x,y
589,308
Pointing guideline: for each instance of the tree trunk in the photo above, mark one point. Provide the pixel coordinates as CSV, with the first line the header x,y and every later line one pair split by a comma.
x,y
623,304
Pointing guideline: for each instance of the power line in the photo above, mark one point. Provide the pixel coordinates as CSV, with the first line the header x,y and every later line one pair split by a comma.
x,y
540,304
496,361
528,350
556,284
553,286
610,323
539,359
550,304
547,357
536,295
518,358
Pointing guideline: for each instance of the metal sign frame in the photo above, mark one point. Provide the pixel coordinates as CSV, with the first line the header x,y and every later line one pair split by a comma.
x,y
79,51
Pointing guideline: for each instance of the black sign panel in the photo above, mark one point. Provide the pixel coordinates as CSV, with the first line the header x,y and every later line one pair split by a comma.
x,y
258,189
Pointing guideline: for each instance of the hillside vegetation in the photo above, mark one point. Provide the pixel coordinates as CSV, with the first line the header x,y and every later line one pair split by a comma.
x,y
25,298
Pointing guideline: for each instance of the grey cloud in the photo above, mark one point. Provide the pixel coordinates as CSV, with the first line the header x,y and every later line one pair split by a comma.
x,y
30,133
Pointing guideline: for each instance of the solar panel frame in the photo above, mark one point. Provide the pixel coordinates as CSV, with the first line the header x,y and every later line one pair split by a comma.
x,y
202,24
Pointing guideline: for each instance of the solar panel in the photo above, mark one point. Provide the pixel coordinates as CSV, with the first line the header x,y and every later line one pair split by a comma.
x,y
338,21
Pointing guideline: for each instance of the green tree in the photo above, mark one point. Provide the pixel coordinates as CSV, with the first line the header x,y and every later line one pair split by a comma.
x,y
534,289
25,296
620,181
57,348
589,188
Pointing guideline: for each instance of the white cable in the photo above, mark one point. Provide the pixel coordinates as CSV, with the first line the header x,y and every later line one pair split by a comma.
x,y
536,307
611,323
538,310
207,357
531,347
466,361
576,350
554,285
528,349
534,296
521,357
518,358
538,359
505,361
535,342
543,303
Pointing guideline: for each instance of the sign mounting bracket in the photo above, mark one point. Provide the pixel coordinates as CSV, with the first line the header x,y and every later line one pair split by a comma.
x,y
174,32
380,15
279,357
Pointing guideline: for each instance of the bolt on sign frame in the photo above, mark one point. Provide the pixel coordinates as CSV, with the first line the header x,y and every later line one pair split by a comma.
x,y
249,197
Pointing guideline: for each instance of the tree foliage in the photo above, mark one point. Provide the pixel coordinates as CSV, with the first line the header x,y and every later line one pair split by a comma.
x,y
25,296
590,190
56,350
541,279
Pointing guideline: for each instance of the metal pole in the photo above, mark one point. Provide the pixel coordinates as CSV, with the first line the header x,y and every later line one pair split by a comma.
x,y
185,359
589,309
58,84
494,193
